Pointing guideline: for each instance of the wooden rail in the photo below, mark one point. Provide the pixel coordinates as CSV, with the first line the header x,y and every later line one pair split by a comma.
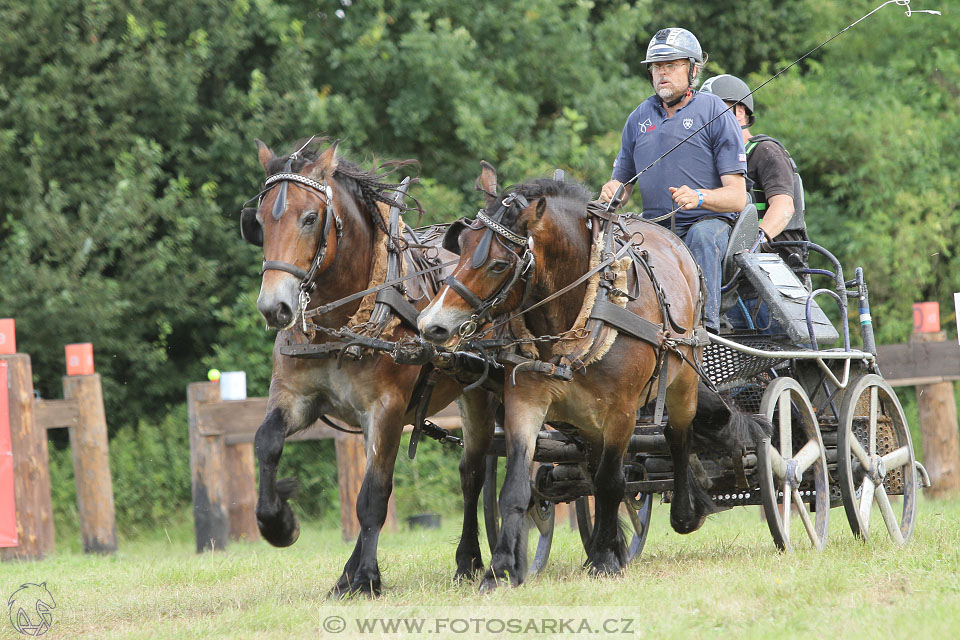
x,y
82,412
221,460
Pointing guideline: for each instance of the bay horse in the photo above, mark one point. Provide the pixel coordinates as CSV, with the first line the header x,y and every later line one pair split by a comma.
x,y
530,242
321,223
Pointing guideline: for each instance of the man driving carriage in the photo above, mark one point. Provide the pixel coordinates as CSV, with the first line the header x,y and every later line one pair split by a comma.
x,y
703,178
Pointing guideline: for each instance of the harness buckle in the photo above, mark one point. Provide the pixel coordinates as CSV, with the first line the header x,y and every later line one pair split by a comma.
x,y
467,329
303,301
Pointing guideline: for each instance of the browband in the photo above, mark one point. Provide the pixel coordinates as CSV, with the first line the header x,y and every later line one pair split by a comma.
x,y
296,177
500,229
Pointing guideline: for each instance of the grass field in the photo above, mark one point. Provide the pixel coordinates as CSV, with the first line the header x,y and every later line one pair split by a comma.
x,y
725,580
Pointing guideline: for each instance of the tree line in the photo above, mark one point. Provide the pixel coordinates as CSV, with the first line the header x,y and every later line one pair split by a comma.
x,y
126,145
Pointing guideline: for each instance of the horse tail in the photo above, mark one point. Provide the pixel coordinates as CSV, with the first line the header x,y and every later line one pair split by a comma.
x,y
287,488
719,423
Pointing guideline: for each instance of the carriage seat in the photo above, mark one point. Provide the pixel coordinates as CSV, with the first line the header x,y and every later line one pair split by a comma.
x,y
742,238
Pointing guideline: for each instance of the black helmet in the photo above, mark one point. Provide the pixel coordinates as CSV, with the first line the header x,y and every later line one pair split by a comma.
x,y
731,89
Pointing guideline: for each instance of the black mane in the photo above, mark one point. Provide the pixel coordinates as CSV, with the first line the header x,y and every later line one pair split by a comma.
x,y
366,186
541,188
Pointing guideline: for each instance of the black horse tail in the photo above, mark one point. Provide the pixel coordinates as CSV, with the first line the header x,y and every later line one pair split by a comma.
x,y
717,422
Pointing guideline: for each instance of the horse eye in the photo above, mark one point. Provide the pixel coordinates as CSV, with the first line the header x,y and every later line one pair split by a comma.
x,y
499,266
310,218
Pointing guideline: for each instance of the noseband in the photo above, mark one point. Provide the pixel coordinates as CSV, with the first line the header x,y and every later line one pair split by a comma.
x,y
480,309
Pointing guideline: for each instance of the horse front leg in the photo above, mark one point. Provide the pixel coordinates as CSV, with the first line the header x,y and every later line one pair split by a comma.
x,y
508,565
361,573
278,525
477,410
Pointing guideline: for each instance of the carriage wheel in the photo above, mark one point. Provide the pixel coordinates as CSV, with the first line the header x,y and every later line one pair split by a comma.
x,y
540,519
875,458
787,471
638,511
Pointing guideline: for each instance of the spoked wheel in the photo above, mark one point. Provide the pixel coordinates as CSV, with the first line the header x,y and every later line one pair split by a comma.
x,y
875,458
795,468
539,520
638,511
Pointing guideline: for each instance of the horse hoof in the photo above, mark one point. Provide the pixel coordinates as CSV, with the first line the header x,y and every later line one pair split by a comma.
x,y
468,571
281,530
346,588
683,527
490,583
606,567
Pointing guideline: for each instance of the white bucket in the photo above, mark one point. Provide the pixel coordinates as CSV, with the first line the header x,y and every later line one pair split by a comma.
x,y
233,385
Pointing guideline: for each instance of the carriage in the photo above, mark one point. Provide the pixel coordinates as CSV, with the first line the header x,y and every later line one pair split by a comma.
x,y
840,435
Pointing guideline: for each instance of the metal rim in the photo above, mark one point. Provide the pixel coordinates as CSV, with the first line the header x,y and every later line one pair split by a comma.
x,y
638,510
862,469
784,470
540,516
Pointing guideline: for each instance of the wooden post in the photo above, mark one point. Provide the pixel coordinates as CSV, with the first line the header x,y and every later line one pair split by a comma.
x,y
351,463
242,492
938,427
91,464
31,484
208,467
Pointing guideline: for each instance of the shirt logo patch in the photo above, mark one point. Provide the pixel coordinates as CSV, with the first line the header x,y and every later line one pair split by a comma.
x,y
742,157
647,125
687,123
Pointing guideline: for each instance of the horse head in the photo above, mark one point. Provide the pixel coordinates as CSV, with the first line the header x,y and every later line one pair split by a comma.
x,y
298,225
497,250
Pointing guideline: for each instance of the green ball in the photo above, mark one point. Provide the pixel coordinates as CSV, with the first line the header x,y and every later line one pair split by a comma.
x,y
213,375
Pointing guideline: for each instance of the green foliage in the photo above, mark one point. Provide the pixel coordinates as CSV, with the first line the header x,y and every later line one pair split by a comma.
x,y
874,130
126,148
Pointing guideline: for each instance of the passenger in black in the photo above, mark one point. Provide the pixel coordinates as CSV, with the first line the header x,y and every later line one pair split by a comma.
x,y
773,183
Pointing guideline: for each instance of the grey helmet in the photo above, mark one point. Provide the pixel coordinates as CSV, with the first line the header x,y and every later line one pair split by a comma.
x,y
674,44
731,89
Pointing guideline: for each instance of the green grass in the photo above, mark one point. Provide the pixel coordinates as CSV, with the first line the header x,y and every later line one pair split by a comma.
x,y
725,580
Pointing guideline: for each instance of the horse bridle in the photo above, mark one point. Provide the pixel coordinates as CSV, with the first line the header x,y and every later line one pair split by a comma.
x,y
324,192
524,263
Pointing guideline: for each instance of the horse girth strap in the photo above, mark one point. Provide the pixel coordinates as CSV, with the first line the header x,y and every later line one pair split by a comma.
x,y
627,322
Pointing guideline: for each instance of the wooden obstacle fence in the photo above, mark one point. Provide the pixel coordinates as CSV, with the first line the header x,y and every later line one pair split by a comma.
x,y
222,465
82,412
931,365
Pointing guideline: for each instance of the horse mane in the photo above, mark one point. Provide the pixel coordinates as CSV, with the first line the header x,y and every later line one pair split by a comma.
x,y
365,185
544,188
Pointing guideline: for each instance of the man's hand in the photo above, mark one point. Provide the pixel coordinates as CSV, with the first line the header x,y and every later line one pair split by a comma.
x,y
687,198
609,190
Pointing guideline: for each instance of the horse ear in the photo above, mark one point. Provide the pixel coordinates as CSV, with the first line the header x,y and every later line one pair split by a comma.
x,y
531,215
326,163
487,182
541,207
264,153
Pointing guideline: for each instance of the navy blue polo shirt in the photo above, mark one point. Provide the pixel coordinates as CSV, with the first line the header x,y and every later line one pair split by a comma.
x,y
698,163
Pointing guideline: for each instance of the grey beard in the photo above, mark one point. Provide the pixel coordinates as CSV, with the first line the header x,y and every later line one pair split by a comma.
x,y
666,94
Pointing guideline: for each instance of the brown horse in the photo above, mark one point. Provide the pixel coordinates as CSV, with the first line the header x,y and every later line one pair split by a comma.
x,y
321,223
547,221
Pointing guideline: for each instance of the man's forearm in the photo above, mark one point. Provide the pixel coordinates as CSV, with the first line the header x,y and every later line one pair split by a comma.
x,y
777,216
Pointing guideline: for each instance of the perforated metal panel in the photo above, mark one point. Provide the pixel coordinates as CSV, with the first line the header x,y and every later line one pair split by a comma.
x,y
727,367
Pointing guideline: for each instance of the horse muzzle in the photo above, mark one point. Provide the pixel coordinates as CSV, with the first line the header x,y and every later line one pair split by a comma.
x,y
278,304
